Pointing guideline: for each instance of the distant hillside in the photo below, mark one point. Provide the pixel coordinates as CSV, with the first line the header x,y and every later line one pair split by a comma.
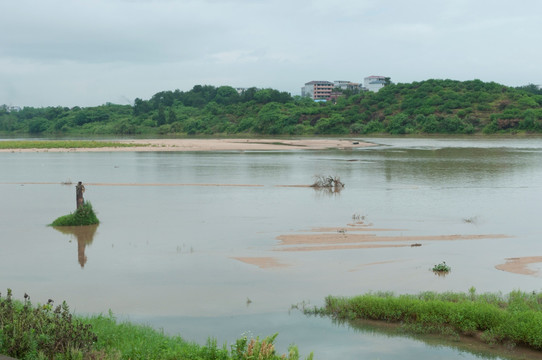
x,y
447,106
426,107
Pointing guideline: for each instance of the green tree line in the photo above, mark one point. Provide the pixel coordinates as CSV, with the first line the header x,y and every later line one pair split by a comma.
x,y
425,107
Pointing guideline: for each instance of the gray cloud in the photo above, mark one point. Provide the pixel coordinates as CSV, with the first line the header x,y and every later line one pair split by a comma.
x,y
76,52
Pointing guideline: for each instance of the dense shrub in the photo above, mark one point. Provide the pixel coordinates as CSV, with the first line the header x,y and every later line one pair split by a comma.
x,y
31,332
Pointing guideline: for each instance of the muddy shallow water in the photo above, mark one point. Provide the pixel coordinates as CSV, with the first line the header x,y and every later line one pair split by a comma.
x,y
179,250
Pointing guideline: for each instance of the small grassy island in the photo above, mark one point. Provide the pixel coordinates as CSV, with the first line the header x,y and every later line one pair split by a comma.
x,y
513,319
84,215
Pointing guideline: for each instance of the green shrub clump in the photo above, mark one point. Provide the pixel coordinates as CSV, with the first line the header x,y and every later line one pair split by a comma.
x,y
28,332
442,267
84,215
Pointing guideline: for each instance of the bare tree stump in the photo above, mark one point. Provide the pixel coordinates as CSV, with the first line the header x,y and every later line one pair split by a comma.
x,y
79,190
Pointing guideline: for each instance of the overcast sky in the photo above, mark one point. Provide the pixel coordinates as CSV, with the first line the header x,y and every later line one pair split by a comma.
x,y
89,52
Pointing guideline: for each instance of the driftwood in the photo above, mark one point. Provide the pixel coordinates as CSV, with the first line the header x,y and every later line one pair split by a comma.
x,y
328,182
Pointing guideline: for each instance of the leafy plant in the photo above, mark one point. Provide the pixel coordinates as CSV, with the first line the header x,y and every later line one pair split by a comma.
x,y
42,330
442,267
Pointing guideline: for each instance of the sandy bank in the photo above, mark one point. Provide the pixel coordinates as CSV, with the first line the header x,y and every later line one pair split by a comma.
x,y
520,265
261,262
340,239
214,145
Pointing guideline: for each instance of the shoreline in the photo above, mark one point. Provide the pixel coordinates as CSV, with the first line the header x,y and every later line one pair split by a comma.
x,y
155,145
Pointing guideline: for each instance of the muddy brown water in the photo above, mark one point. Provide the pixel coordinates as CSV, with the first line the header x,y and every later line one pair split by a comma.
x,y
184,253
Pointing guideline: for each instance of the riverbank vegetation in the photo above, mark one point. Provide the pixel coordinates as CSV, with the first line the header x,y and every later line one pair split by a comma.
x,y
425,107
84,215
513,319
49,332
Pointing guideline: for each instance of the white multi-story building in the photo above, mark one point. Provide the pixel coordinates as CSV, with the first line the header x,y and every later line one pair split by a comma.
x,y
375,83
321,90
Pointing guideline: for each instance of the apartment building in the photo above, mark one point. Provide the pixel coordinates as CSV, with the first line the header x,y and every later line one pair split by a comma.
x,y
317,90
322,90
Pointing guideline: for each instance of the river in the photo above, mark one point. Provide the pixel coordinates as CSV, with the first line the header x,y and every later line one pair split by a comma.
x,y
203,243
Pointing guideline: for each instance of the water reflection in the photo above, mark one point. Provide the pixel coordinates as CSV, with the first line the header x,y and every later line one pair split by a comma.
x,y
441,273
328,191
84,236
450,165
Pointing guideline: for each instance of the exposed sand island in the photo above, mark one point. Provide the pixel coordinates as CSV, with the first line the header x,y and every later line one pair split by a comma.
x,y
520,265
213,145
359,235
261,262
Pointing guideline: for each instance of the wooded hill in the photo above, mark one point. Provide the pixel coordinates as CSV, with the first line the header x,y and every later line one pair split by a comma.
x,y
426,107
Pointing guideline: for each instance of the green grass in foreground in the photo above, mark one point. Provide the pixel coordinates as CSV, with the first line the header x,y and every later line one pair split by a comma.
x,y
515,318
46,332
62,144
85,215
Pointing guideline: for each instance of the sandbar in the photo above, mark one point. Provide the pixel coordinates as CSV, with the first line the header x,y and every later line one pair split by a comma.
x,y
345,238
519,265
156,145
261,262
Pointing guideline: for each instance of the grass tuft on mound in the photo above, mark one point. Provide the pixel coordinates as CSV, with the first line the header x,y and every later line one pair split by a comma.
x,y
83,216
